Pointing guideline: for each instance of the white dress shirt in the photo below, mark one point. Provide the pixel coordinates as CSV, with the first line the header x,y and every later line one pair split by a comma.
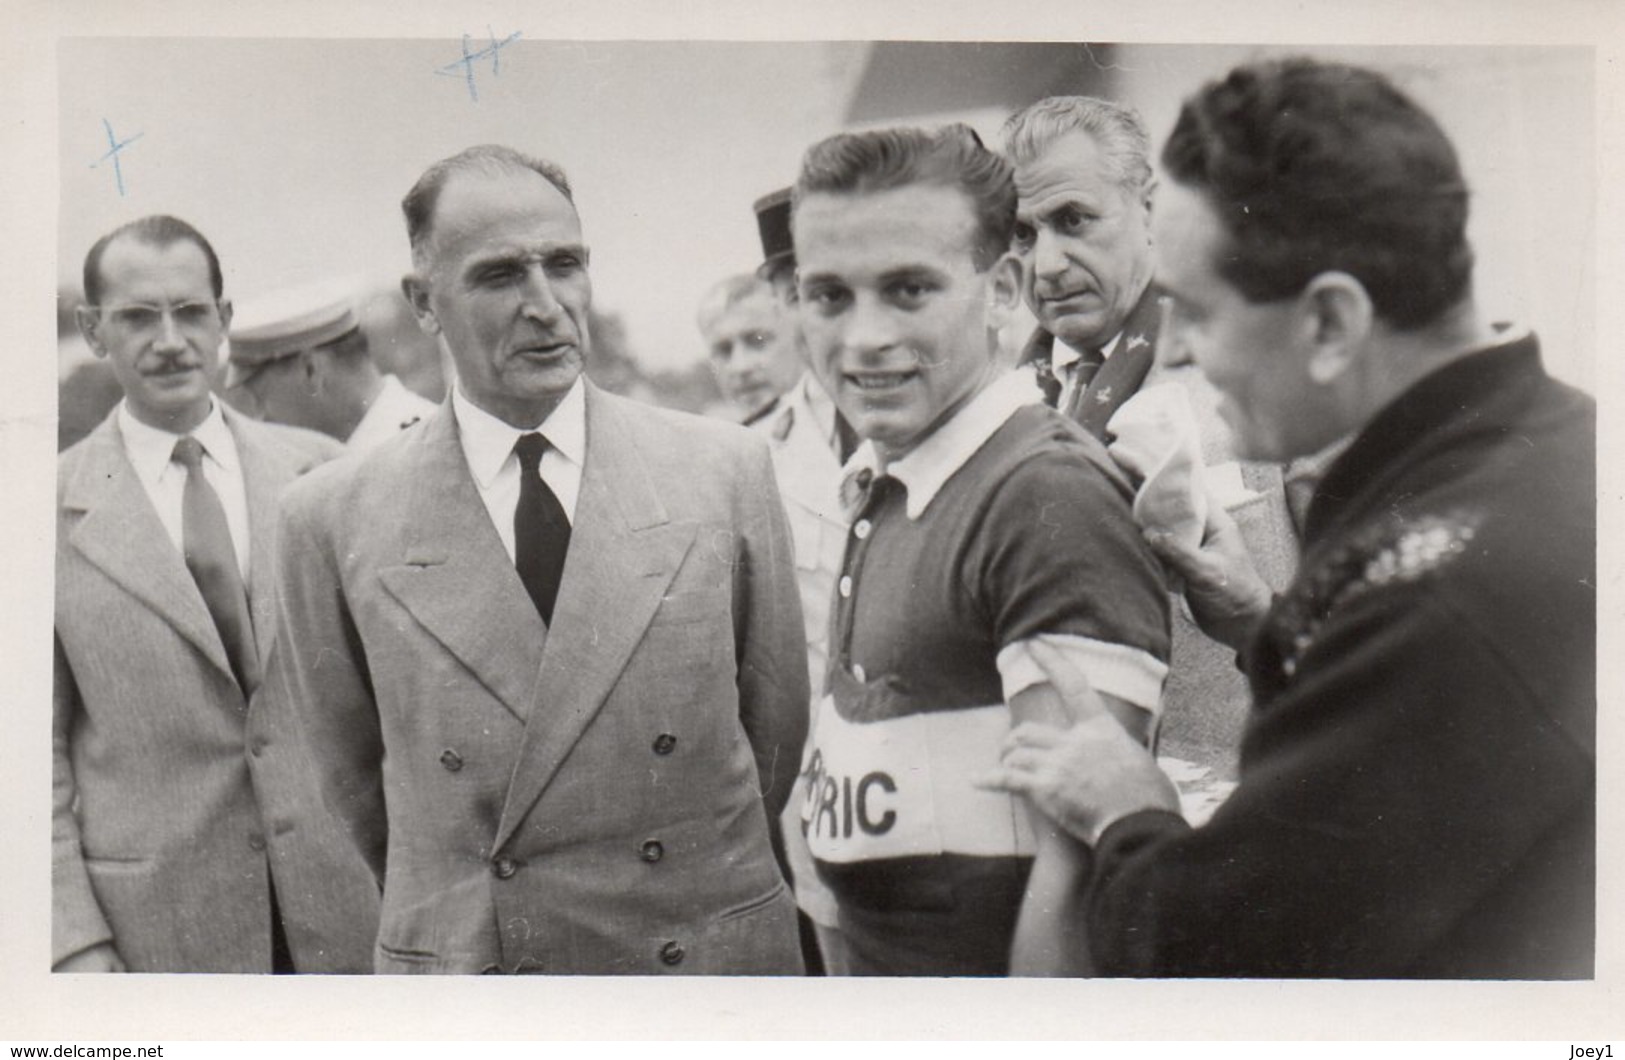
x,y
150,450
488,447
1063,361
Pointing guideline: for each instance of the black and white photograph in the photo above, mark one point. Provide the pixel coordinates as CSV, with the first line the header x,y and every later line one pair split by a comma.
x,y
752,514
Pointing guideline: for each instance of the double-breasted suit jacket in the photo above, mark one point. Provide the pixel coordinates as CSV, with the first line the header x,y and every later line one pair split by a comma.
x,y
589,798
177,794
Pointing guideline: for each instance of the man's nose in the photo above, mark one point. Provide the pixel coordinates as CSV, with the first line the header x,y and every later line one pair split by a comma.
x,y
168,335
1049,256
870,329
537,300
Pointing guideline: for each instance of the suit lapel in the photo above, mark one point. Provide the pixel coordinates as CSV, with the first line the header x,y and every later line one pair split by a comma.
x,y
623,556
1125,370
121,535
455,577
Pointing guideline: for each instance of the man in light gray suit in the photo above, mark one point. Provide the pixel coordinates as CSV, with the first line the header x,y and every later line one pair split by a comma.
x,y
546,643
186,836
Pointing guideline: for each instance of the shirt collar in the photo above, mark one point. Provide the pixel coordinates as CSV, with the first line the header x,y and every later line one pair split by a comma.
x,y
151,448
488,441
929,466
819,404
1062,356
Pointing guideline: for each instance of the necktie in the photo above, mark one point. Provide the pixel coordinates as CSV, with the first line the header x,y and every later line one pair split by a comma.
x,y
541,530
206,545
1083,373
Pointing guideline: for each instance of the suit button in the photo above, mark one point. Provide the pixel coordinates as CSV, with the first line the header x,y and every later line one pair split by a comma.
x,y
451,760
665,743
845,586
861,529
256,746
672,953
503,868
652,851
857,672
256,842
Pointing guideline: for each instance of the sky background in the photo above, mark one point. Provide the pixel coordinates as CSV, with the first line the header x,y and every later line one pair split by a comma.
x,y
292,154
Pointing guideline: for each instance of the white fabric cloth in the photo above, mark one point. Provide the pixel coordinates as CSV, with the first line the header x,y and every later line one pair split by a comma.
x,y
488,447
1157,440
150,449
1115,669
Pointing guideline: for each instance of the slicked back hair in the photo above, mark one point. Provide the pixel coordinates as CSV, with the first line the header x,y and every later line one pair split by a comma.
x,y
484,159
1117,130
951,156
1315,167
158,230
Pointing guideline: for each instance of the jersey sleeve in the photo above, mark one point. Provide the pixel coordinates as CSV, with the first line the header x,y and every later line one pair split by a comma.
x,y
1059,555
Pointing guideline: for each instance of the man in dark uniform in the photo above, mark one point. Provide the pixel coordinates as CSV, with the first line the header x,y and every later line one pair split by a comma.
x,y
1417,791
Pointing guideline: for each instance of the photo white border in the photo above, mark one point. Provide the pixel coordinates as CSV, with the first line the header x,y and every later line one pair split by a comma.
x,y
36,1005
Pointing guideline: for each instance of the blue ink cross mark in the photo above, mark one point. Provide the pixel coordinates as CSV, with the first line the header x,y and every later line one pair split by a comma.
x,y
114,146
466,63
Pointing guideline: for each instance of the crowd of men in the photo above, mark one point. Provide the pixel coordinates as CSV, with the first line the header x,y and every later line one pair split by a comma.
x,y
870,682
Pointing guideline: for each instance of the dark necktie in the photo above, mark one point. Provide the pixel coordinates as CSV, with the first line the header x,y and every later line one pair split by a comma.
x,y
206,544
1083,372
541,530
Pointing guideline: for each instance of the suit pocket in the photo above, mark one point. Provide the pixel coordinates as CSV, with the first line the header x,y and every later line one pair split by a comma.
x,y
118,866
757,937
681,608
755,905
404,958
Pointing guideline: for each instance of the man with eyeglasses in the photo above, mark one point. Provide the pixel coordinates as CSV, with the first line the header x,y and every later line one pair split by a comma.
x,y
186,834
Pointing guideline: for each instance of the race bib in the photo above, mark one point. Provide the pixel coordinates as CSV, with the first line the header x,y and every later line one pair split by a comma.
x,y
902,787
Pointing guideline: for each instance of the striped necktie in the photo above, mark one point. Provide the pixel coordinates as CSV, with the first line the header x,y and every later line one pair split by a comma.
x,y
212,560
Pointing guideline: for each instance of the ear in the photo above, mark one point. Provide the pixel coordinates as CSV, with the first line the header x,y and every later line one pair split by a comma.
x,y
224,308
1003,290
1143,203
416,290
1337,322
87,319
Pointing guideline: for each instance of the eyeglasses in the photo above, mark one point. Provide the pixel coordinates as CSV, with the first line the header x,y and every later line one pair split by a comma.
x,y
140,318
